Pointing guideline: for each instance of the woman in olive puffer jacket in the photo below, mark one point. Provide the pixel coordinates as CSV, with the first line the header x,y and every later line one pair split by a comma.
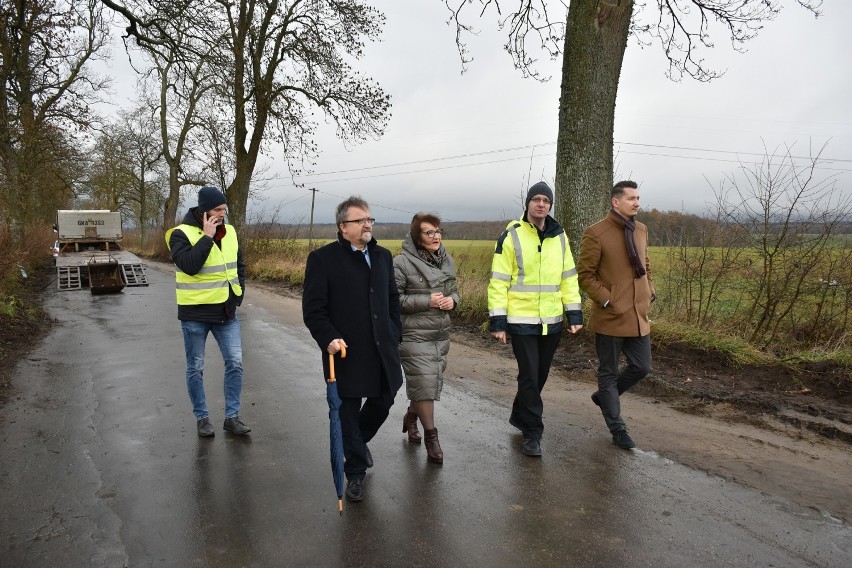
x,y
426,278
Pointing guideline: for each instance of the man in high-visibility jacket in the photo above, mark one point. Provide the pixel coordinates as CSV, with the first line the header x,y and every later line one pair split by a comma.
x,y
210,277
533,282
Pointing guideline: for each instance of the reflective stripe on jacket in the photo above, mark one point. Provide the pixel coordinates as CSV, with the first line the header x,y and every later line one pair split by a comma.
x,y
533,280
211,284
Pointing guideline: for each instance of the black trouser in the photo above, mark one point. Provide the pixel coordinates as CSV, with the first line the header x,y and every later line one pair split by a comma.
x,y
359,424
534,353
611,382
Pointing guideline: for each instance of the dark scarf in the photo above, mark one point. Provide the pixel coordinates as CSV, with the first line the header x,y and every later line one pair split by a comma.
x,y
629,229
434,259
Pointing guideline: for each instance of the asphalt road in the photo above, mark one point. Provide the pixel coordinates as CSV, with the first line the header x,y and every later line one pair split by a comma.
x,y
100,465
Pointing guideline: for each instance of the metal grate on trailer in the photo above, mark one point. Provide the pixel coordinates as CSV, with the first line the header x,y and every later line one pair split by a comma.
x,y
68,277
134,274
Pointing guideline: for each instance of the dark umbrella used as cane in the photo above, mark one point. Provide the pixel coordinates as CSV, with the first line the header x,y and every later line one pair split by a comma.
x,y
335,431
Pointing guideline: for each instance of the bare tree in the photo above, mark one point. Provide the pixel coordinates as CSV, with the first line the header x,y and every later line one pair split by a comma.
x,y
111,169
45,93
592,39
146,194
126,169
700,262
215,141
789,219
183,85
277,62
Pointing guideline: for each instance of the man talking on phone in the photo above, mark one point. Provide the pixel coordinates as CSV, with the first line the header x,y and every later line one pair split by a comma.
x,y
210,278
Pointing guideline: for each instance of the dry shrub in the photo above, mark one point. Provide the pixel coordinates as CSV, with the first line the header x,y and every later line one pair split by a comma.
x,y
27,249
473,270
289,270
154,245
22,320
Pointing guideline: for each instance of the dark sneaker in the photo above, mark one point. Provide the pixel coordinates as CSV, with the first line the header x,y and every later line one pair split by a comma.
x,y
205,429
596,399
369,457
236,425
622,440
532,447
354,490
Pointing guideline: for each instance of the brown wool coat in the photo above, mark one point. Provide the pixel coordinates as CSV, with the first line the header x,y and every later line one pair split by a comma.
x,y
605,273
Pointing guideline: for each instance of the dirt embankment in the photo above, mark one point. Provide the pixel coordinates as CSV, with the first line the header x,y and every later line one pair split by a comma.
x,y
816,396
22,323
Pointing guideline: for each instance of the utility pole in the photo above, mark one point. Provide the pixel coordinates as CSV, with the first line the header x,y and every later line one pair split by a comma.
x,y
311,230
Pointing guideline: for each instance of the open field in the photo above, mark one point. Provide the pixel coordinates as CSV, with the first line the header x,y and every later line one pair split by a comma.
x,y
723,297
784,310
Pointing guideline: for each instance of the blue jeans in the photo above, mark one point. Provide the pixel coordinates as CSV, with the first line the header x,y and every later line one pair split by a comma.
x,y
227,335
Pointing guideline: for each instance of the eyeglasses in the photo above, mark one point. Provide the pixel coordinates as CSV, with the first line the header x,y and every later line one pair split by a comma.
x,y
363,221
432,233
544,200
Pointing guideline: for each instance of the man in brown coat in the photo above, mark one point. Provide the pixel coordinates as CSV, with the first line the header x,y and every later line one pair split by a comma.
x,y
615,272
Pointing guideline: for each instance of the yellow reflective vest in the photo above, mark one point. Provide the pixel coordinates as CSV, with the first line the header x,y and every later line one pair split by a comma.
x,y
211,284
533,280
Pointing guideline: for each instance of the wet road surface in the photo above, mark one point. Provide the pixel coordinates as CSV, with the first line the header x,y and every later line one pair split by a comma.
x,y
101,466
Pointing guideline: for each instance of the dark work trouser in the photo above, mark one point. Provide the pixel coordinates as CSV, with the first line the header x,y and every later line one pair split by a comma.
x,y
534,353
611,382
359,424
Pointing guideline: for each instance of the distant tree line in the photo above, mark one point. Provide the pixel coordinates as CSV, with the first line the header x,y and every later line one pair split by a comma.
x,y
463,230
665,228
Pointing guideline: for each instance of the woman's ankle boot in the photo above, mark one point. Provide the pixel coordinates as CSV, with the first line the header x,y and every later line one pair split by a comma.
x,y
433,446
409,424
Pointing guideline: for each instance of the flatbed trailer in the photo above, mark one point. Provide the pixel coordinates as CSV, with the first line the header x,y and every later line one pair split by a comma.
x,y
72,268
90,254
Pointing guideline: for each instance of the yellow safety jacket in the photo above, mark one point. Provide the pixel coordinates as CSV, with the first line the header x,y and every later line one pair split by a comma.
x,y
210,285
533,280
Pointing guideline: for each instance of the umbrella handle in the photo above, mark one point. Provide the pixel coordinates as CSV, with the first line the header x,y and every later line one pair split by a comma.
x,y
331,377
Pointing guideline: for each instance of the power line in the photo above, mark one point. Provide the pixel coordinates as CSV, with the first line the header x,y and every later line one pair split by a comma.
x,y
729,161
428,160
533,146
489,162
409,172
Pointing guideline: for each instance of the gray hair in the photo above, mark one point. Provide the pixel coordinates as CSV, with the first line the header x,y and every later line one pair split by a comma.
x,y
353,201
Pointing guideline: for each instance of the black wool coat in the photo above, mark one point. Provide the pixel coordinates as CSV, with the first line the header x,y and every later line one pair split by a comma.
x,y
344,298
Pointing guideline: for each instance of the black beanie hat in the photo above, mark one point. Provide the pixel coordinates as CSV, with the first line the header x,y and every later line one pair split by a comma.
x,y
541,188
209,198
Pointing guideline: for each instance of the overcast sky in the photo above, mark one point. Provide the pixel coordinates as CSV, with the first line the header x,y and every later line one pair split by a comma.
x,y
453,134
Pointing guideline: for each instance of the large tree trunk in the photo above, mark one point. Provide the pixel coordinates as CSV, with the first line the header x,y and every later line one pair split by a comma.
x,y
171,203
595,39
238,192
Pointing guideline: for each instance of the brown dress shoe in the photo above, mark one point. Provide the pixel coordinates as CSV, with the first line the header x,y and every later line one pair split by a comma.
x,y
434,452
409,424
